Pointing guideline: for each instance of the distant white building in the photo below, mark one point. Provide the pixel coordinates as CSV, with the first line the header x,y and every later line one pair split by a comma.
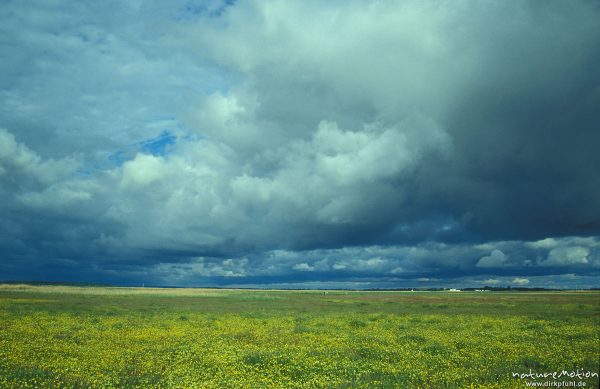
x,y
454,290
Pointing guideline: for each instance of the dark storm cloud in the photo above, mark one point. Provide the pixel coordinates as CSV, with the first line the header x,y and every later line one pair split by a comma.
x,y
358,143
513,87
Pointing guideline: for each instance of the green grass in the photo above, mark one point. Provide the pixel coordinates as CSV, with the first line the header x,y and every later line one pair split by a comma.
x,y
55,336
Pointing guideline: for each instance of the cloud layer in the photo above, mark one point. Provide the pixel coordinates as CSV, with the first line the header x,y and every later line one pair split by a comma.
x,y
363,143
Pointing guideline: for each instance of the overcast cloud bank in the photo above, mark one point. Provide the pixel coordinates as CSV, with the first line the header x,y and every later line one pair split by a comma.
x,y
351,144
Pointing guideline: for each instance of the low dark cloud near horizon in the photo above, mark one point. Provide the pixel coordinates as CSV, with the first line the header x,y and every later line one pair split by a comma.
x,y
350,144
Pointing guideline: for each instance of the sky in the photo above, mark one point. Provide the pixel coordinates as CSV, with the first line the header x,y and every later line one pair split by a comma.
x,y
301,144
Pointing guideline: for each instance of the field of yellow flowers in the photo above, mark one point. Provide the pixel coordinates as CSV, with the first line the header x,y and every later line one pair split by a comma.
x,y
80,337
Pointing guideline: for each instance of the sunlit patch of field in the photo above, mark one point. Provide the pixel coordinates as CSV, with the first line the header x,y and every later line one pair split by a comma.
x,y
54,336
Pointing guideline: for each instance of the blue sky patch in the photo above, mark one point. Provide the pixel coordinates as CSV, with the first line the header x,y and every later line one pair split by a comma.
x,y
159,145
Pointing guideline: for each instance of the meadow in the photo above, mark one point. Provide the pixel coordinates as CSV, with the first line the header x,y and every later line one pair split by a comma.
x,y
80,337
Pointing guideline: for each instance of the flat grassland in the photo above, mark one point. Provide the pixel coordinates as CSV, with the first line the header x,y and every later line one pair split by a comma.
x,y
55,336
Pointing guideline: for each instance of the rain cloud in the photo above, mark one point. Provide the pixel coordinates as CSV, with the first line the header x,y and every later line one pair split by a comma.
x,y
301,144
